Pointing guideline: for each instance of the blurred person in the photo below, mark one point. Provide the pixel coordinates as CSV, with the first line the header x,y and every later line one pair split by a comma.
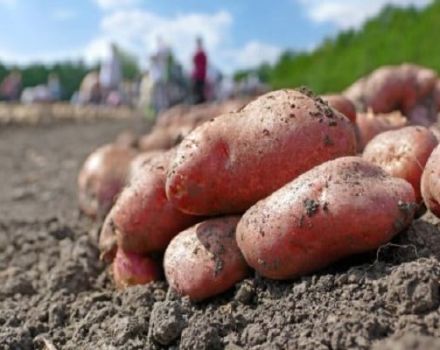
x,y
159,99
200,62
36,94
227,88
110,74
54,86
89,90
145,95
10,88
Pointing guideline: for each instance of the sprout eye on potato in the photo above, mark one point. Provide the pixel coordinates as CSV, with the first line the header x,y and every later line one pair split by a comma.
x,y
342,207
226,165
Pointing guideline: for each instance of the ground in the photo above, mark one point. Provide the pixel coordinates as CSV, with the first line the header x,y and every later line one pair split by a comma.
x,y
54,293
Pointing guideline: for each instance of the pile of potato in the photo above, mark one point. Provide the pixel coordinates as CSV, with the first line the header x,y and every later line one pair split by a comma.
x,y
274,186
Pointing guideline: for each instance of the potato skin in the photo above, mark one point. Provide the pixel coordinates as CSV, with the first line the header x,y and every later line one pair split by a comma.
x,y
342,104
341,207
204,260
130,269
431,182
144,220
370,125
402,153
228,164
102,177
138,163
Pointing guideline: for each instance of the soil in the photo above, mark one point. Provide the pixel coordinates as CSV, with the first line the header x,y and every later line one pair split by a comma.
x,y
55,294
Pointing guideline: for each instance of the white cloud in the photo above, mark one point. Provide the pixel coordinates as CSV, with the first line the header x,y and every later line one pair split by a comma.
x,y
115,4
8,3
138,31
63,14
254,53
350,13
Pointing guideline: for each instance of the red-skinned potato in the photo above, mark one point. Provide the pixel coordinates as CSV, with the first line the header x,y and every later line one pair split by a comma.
x,y
139,162
131,269
342,104
342,207
431,182
226,165
204,260
102,177
157,139
144,221
107,243
402,153
370,125
435,129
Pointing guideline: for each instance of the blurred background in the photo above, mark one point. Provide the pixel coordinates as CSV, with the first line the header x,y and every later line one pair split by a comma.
x,y
155,54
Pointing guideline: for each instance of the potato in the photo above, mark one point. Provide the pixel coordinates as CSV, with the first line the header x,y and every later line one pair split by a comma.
x,y
342,104
102,177
204,260
226,165
370,125
435,129
157,139
144,221
402,153
127,138
342,207
431,182
130,269
107,243
138,163
391,88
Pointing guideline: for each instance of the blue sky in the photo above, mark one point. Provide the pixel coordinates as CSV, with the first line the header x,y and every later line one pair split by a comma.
x,y
238,33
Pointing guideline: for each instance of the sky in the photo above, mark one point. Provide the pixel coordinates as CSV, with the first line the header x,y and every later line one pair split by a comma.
x,y
238,34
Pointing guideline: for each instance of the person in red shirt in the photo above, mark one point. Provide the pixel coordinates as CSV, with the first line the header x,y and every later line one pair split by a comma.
x,y
200,62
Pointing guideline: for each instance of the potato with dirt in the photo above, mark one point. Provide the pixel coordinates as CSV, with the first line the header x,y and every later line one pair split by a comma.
x,y
342,104
402,153
431,182
204,260
143,219
131,269
228,164
139,161
342,207
102,177
371,125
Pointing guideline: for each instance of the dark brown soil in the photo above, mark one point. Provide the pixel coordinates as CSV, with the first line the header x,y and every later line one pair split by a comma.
x,y
54,292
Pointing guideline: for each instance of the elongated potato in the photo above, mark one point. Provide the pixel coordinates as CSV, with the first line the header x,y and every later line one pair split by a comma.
x,y
130,269
143,219
342,104
431,182
226,165
204,260
402,153
102,178
342,207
